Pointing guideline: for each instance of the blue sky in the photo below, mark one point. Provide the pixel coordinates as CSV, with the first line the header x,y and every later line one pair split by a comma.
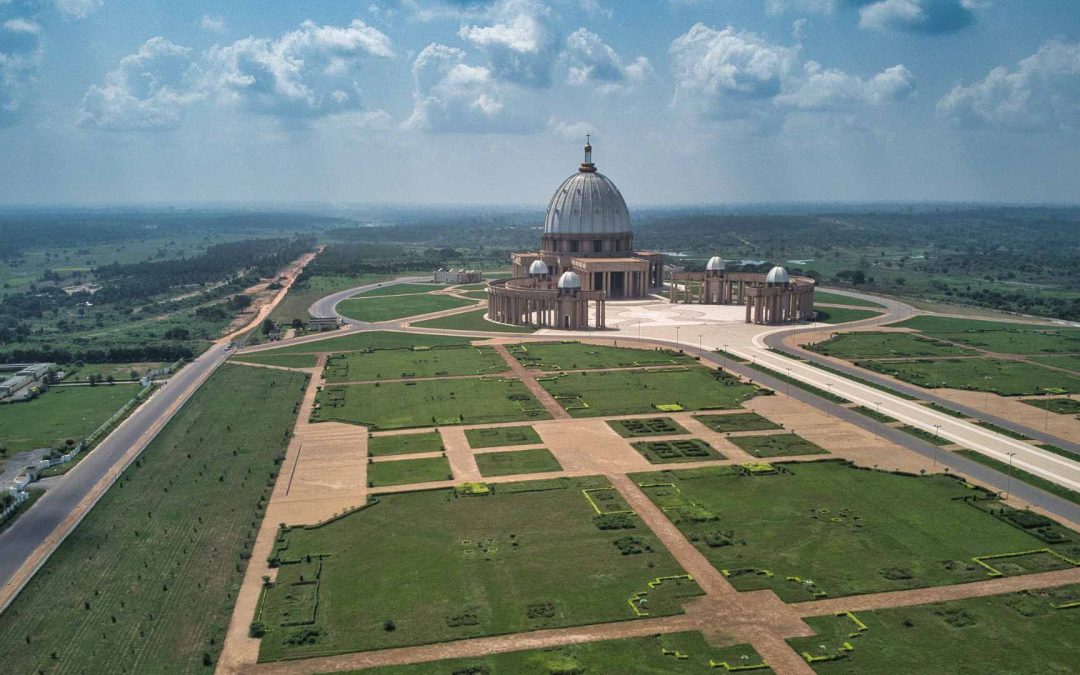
x,y
467,101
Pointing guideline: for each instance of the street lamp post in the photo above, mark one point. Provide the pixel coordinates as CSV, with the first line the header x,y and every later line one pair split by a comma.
x,y
1008,483
677,343
937,430
699,342
828,403
789,382
986,399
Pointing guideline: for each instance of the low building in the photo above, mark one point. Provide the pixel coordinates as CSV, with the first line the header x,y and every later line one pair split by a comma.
x,y
458,276
20,376
321,323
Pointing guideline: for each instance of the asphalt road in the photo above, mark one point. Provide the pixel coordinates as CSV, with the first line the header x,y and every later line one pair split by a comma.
x,y
325,306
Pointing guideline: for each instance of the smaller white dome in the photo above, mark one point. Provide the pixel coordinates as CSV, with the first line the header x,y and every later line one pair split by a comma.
x,y
777,275
715,264
538,267
569,281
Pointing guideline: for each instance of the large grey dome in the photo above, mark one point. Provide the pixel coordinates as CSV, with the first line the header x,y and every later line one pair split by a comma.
x,y
587,203
777,275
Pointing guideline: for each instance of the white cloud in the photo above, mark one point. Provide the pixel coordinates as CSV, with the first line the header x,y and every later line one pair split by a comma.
x,y
20,57
570,131
78,9
522,43
1041,92
774,7
213,24
589,61
917,16
831,89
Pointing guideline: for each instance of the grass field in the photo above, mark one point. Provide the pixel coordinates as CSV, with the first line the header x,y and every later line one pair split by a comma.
x,y
1061,406
394,364
1021,475
284,360
118,371
1066,361
376,339
999,336
59,414
405,444
473,321
526,556
873,345
682,450
777,445
578,356
147,581
303,294
397,307
399,289
653,426
653,655
843,314
631,392
1007,378
497,437
749,421
406,471
514,462
399,405
837,299
1017,633
848,530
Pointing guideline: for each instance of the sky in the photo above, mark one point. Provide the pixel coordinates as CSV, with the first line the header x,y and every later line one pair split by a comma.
x,y
114,102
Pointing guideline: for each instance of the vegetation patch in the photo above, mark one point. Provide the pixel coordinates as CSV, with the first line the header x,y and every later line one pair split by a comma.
x,y
59,414
999,336
407,471
998,376
1023,476
472,321
368,340
1061,406
410,362
539,460
398,307
749,421
842,314
405,444
398,289
924,435
875,345
283,360
578,356
777,445
836,299
682,450
653,426
497,437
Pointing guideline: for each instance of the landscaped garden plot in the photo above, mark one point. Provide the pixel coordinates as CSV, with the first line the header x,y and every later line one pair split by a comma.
x,y
538,460
653,426
999,336
777,445
146,582
405,444
399,289
837,299
1021,475
373,339
406,471
682,450
1061,406
842,314
438,565
634,392
398,405
472,321
398,307
1007,378
395,364
579,356
670,654
283,360
497,437
817,529
1027,632
872,345
59,414
749,421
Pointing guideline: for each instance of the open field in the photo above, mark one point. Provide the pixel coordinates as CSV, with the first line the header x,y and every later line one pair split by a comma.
x,y
682,450
516,462
146,582
473,321
406,471
59,414
525,556
652,426
397,307
405,444
837,299
1007,378
118,371
1013,633
579,356
1066,361
399,289
748,421
631,392
999,336
1061,406
284,360
843,314
394,364
376,339
777,445
497,437
304,293
398,405
871,345
848,530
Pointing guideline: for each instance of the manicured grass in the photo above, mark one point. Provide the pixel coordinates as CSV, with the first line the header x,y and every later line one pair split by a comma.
x,y
999,336
1004,431
538,460
146,582
441,566
398,307
395,364
828,396
59,414
1066,361
398,405
837,299
682,450
1013,633
578,356
399,289
497,437
872,345
476,295
948,411
1007,378
873,414
653,426
654,655
405,444
473,321
843,315
405,471
777,445
373,339
284,360
1057,451
304,293
924,435
849,530
749,421
632,392
1021,475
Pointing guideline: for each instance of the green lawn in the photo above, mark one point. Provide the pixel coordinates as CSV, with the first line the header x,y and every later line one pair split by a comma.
x,y
922,434
843,315
372,339
849,530
837,299
431,566
399,289
1066,361
405,471
749,421
497,437
999,336
397,307
405,444
146,582
395,364
285,360
1021,475
304,293
681,450
1061,406
578,356
873,345
654,655
777,445
59,414
1007,378
473,321
1013,634
632,392
398,405
538,460
653,426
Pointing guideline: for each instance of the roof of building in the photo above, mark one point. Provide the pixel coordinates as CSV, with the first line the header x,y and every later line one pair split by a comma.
x,y
538,267
569,280
777,275
715,264
587,203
